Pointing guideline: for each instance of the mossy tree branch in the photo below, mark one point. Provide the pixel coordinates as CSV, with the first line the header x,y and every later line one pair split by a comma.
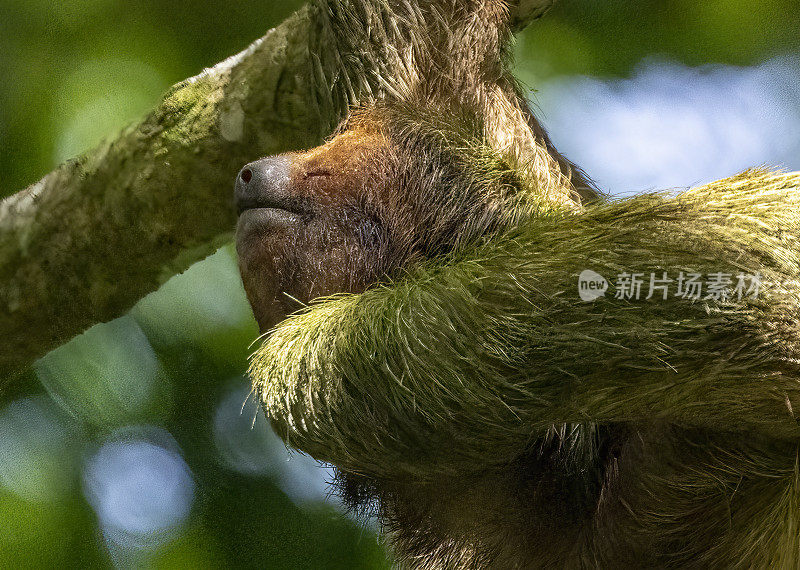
x,y
91,238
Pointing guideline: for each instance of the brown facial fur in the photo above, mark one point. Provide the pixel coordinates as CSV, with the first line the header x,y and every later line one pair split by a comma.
x,y
333,246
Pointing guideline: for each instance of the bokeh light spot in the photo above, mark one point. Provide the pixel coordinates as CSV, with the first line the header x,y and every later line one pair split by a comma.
x,y
140,490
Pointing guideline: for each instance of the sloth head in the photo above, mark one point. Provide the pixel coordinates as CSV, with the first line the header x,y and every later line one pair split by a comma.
x,y
393,187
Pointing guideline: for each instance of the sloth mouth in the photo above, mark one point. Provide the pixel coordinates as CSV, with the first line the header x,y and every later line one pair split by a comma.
x,y
262,218
289,205
265,221
276,206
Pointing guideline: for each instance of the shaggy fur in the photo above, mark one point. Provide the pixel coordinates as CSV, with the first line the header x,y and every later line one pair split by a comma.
x,y
449,391
431,55
462,388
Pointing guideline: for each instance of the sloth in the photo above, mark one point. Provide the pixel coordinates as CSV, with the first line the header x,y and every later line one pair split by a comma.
x,y
508,368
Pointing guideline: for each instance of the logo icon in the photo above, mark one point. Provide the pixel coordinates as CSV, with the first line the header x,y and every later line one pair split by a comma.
x,y
591,285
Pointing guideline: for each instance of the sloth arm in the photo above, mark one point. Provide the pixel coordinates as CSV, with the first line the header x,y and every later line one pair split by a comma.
x,y
493,348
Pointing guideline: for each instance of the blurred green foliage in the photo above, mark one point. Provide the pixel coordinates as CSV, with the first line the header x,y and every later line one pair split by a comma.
x,y
609,38
77,71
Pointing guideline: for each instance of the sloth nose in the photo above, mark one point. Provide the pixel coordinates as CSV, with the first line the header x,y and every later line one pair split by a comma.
x,y
264,183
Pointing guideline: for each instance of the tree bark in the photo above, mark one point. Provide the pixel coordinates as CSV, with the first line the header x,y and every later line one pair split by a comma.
x,y
90,239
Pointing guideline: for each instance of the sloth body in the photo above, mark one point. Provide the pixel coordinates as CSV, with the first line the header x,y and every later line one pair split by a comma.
x,y
449,368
